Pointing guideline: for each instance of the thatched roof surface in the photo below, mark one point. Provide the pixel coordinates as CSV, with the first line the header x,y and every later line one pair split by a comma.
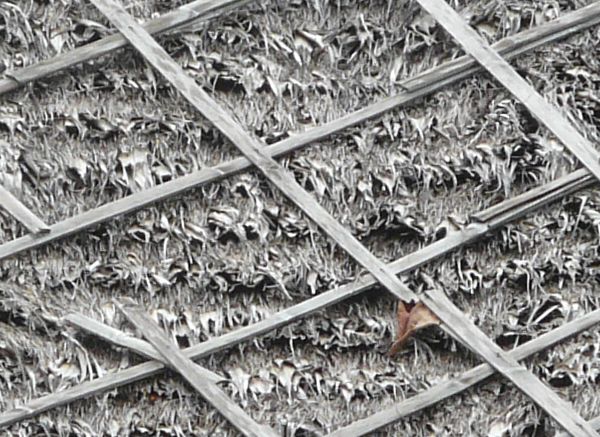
x,y
232,252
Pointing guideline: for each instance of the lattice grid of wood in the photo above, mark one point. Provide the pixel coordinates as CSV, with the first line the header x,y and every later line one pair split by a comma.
x,y
163,353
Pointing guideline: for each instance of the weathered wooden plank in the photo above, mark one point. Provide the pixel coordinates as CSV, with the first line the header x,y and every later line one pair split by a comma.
x,y
140,371
119,338
178,18
421,85
454,320
21,213
545,193
525,381
561,27
504,212
491,60
465,381
189,370
523,42
251,148
439,248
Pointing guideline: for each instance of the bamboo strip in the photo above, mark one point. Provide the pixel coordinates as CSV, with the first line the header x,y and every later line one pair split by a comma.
x,y
171,354
503,213
454,321
421,85
119,338
465,381
20,212
177,19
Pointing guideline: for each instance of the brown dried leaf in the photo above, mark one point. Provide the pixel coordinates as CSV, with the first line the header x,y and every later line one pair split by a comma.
x,y
411,318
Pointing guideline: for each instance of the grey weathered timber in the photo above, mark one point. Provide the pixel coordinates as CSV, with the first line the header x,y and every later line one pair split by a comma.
x,y
499,214
491,60
522,42
119,338
20,212
386,417
189,370
545,193
420,86
561,27
249,146
178,18
543,395
506,211
454,320
465,381
502,213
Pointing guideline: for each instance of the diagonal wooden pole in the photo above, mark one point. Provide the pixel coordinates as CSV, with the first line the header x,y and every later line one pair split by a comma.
x,y
498,67
171,354
20,212
176,19
494,217
397,411
463,382
489,220
454,320
420,85
119,338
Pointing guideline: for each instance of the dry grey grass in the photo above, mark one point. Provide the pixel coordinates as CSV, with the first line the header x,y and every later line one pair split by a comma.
x,y
392,181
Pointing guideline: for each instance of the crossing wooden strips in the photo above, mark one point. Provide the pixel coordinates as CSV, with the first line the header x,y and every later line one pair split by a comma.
x,y
523,42
119,338
454,320
393,413
178,19
482,224
250,147
465,381
489,59
20,212
543,395
551,118
189,370
409,406
420,85
501,214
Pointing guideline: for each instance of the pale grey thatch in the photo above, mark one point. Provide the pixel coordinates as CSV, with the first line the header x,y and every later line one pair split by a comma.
x,y
233,252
